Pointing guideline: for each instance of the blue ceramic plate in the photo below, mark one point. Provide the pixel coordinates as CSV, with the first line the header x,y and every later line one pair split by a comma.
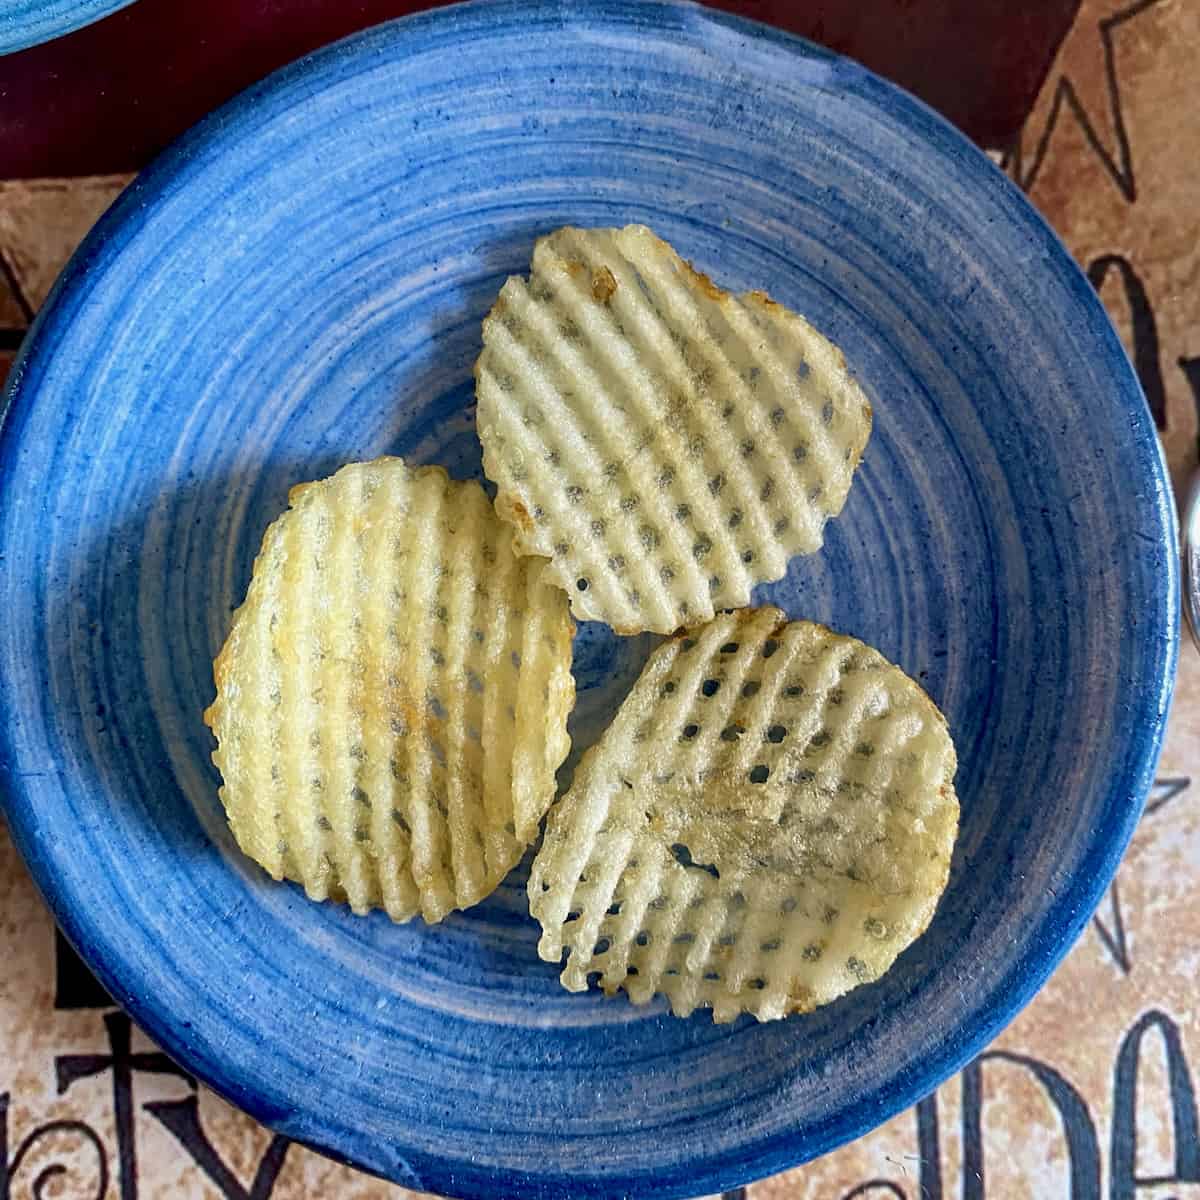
x,y
26,23
300,282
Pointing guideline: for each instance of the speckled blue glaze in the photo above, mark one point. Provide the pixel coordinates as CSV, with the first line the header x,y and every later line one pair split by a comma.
x,y
26,23
300,282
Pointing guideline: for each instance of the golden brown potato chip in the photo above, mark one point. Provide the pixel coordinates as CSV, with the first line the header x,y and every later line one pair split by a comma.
x,y
766,824
665,444
392,700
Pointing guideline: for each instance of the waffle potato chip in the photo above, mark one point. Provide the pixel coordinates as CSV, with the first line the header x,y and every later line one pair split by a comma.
x,y
392,700
766,824
665,444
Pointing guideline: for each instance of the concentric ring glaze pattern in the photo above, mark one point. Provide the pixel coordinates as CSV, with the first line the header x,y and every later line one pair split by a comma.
x,y
25,23
299,283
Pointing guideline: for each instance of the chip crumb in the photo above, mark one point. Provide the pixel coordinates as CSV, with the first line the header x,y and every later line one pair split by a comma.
x,y
604,284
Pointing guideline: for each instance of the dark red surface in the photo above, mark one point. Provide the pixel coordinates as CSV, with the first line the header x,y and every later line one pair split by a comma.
x,y
978,62
110,96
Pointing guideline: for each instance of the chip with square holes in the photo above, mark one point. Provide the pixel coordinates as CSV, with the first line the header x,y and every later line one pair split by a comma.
x,y
392,699
667,445
765,825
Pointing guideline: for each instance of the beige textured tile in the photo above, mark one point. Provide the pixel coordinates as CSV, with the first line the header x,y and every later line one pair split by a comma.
x,y
43,220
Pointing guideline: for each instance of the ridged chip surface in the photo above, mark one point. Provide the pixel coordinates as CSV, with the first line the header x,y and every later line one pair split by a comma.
x,y
766,824
665,444
392,700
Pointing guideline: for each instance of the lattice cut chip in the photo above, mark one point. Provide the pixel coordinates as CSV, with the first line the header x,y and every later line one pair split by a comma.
x,y
665,444
766,824
392,700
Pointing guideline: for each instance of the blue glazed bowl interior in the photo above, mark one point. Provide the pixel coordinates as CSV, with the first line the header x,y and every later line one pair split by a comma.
x,y
300,283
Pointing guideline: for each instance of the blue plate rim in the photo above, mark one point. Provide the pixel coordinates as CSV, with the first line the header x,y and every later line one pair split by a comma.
x,y
38,30
773,1153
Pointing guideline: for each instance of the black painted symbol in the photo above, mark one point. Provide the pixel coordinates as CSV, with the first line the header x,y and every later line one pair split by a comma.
x,y
1126,1183
1112,931
182,1118
69,1068
53,1132
1191,372
1079,1131
929,1149
1164,791
75,986
1110,924
1119,165
1144,329
877,1189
